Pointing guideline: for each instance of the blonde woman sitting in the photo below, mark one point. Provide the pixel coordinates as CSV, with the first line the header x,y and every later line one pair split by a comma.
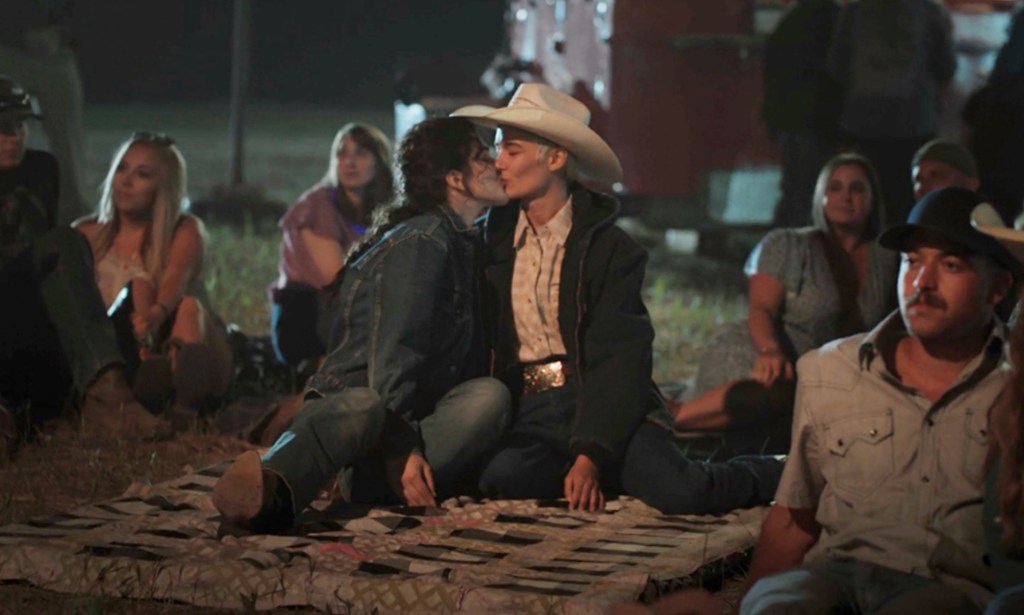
x,y
148,264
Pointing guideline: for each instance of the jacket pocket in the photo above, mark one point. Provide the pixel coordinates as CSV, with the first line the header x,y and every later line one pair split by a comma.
x,y
975,443
860,452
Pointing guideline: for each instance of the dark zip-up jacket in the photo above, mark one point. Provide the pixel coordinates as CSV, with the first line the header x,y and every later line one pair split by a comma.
x,y
602,318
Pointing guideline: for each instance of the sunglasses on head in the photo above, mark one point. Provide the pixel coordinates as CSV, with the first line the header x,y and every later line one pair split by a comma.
x,y
158,138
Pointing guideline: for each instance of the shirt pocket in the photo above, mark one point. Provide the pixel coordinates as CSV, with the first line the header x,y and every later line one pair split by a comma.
x,y
860,452
975,444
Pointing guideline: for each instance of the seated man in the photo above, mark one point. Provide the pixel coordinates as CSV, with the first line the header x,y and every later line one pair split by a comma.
x,y
942,164
879,508
572,337
55,337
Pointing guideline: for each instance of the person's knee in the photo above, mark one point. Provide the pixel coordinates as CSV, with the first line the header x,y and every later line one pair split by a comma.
x,y
190,310
794,591
356,410
491,408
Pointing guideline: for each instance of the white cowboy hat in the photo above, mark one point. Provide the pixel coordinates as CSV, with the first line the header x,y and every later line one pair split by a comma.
x,y
986,219
544,111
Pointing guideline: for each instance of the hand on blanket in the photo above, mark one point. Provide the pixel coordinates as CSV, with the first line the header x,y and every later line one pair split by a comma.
x,y
583,485
412,478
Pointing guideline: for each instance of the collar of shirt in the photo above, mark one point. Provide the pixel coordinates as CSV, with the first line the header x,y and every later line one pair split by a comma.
x,y
887,334
558,226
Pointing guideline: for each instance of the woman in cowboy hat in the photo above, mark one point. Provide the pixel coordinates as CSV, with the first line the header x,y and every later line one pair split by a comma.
x,y
571,335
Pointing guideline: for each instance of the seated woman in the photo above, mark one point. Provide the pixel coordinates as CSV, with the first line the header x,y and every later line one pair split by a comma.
x,y
401,396
807,286
148,263
318,230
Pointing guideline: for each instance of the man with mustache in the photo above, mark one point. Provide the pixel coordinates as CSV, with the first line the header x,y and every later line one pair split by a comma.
x,y
879,507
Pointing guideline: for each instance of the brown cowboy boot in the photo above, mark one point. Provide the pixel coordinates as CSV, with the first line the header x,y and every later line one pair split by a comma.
x,y
110,408
251,499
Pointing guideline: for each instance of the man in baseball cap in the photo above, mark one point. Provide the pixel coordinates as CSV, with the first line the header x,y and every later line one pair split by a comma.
x,y
941,164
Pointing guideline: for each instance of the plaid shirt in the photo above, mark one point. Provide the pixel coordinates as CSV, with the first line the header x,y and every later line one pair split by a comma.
x,y
535,283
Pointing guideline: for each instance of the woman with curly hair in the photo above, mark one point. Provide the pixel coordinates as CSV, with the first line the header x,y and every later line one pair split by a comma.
x,y
402,394
317,232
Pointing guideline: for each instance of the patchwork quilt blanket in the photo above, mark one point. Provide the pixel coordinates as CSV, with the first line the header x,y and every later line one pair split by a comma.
x,y
526,556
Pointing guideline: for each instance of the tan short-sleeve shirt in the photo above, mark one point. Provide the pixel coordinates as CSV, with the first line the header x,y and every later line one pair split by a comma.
x,y
896,480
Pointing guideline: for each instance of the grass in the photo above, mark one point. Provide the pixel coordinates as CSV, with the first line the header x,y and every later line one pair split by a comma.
x,y
241,263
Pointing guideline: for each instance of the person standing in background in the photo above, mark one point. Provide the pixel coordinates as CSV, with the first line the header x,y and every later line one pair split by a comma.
x,y
36,51
801,103
894,59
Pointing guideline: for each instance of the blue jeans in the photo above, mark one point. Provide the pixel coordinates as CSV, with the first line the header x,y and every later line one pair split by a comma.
x,y
535,458
1010,601
344,429
853,587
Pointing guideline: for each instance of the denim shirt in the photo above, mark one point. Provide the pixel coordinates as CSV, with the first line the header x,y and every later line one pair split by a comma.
x,y
406,322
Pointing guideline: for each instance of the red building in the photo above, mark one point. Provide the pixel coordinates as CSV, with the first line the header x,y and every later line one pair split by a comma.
x,y
675,87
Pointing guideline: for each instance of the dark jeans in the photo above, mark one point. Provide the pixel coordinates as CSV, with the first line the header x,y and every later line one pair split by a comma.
x,y
535,458
802,159
295,320
55,331
852,587
343,430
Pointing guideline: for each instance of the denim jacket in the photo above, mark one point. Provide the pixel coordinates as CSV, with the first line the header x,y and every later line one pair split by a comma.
x,y
406,322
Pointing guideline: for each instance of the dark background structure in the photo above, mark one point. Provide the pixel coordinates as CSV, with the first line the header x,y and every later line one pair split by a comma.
x,y
347,51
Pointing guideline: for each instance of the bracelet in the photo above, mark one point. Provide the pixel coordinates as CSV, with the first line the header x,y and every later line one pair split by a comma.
x,y
769,350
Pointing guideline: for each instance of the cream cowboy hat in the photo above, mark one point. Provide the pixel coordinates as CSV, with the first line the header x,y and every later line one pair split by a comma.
x,y
986,219
544,111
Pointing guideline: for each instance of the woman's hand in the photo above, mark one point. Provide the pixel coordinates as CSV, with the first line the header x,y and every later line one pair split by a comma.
x,y
583,485
771,365
412,479
147,323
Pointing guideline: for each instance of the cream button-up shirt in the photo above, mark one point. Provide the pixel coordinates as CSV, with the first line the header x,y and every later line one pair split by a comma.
x,y
536,279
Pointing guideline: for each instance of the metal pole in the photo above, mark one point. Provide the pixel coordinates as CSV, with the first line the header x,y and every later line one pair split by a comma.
x,y
242,29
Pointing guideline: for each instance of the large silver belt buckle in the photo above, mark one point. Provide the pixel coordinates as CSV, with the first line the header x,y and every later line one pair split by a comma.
x,y
544,377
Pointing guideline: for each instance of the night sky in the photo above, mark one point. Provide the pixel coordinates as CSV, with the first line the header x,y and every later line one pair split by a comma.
x,y
302,51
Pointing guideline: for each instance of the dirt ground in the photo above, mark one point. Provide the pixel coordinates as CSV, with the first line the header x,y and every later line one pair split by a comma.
x,y
63,470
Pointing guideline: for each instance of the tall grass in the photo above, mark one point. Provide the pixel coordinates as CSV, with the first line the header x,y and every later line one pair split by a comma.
x,y
686,321
241,263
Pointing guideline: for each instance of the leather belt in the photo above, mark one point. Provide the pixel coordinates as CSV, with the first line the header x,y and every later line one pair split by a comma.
x,y
544,376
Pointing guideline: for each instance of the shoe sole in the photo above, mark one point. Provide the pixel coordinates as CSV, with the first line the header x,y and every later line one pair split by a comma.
x,y
238,495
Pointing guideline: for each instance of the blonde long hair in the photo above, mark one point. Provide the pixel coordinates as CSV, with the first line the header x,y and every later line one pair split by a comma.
x,y
167,206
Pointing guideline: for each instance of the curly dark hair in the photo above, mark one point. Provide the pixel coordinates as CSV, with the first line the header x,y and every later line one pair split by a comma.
x,y
428,152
